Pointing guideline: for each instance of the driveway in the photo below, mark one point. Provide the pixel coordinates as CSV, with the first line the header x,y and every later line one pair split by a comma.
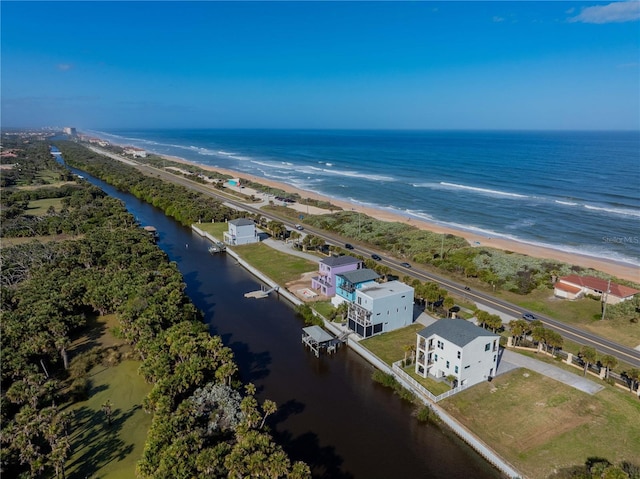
x,y
510,360
289,249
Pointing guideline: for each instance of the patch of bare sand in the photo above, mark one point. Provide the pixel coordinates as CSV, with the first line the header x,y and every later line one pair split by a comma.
x,y
304,281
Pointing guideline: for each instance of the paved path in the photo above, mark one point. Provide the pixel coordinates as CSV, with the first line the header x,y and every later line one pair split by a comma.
x,y
511,360
289,249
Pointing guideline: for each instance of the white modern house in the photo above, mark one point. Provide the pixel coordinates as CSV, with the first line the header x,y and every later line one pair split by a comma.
x,y
241,231
135,152
380,307
456,347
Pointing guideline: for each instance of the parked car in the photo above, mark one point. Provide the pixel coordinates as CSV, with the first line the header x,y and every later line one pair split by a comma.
x,y
528,316
348,246
406,265
376,257
299,227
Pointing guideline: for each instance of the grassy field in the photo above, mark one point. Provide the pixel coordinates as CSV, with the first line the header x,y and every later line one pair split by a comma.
x,y
214,229
110,452
389,346
584,313
99,450
539,424
278,266
40,207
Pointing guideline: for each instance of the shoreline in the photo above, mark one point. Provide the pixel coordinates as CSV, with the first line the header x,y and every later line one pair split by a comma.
x,y
620,270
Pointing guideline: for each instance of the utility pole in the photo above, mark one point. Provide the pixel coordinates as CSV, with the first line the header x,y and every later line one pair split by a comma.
x,y
605,297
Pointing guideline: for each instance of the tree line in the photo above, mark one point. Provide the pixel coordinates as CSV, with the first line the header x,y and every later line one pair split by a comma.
x,y
204,421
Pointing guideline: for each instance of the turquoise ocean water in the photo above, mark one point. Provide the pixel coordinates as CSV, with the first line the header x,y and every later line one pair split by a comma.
x,y
572,191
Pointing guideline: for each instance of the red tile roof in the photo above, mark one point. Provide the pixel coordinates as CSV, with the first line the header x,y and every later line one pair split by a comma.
x,y
568,288
598,284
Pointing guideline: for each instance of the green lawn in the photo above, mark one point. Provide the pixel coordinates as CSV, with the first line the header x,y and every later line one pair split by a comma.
x,y
280,267
214,229
539,424
323,307
584,313
40,207
110,452
389,346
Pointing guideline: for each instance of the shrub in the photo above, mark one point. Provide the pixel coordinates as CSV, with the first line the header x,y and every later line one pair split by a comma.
x,y
79,390
425,414
83,362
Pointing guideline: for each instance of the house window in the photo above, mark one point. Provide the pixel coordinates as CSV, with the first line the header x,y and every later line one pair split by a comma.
x,y
459,354
456,369
435,357
487,347
494,358
447,364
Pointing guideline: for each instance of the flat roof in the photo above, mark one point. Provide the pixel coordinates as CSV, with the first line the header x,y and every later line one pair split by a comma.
x,y
318,334
380,290
340,260
242,222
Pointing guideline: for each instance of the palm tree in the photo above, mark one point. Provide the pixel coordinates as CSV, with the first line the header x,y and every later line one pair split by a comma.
x,y
518,328
268,407
555,340
107,409
634,376
608,362
589,356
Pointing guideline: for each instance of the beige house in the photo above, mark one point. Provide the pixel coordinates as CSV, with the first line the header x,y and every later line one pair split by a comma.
x,y
575,287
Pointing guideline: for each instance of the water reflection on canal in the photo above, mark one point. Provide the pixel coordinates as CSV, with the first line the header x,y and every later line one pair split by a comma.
x,y
331,414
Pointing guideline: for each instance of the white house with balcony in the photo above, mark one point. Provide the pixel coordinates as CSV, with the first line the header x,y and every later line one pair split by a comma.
x,y
456,347
380,307
241,231
135,152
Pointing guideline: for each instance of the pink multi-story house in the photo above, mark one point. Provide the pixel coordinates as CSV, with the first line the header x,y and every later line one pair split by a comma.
x,y
329,268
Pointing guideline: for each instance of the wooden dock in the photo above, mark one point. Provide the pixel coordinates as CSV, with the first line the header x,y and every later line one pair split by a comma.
x,y
261,293
318,340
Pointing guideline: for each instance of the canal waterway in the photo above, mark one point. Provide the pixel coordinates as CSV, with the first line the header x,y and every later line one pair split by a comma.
x,y
331,414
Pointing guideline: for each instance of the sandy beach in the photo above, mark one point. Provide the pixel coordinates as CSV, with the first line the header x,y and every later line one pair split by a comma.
x,y
622,271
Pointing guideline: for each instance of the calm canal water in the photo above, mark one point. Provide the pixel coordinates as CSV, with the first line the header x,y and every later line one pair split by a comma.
x,y
331,414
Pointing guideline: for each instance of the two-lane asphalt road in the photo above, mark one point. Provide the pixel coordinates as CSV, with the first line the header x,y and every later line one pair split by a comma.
x,y
603,346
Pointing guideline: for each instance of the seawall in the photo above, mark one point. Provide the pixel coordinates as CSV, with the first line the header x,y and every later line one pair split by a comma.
x,y
338,330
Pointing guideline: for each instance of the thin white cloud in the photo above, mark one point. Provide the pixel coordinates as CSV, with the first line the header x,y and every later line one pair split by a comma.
x,y
629,65
63,67
498,19
616,12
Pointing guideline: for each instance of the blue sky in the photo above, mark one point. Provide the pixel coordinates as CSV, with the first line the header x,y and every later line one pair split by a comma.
x,y
400,65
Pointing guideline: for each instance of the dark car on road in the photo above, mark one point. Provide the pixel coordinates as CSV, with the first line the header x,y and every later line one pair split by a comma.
x,y
528,316
348,246
376,257
406,265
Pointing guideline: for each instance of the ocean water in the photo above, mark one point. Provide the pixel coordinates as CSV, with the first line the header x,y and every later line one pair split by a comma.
x,y
572,191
